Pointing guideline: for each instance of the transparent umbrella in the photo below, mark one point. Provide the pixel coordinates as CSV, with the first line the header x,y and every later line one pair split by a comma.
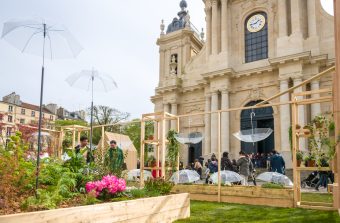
x,y
276,178
226,176
254,134
133,175
185,176
45,39
92,80
191,138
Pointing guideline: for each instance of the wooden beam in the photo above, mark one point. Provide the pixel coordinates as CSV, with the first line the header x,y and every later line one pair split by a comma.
x,y
219,155
142,136
299,85
336,105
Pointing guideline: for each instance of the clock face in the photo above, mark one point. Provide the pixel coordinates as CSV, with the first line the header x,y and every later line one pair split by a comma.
x,y
256,23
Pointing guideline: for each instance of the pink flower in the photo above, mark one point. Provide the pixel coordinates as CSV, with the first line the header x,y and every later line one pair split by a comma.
x,y
90,186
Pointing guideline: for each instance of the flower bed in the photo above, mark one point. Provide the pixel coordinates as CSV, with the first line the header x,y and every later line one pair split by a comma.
x,y
239,194
157,209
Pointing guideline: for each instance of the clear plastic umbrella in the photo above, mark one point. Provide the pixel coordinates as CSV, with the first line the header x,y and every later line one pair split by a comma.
x,y
45,39
133,175
185,176
92,80
226,176
191,138
254,134
276,178
45,137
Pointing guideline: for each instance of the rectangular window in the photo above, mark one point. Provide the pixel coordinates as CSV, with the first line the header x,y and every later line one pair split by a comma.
x,y
9,131
22,121
10,108
23,111
51,117
10,118
33,113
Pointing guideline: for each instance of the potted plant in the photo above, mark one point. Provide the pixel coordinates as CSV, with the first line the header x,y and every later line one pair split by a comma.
x,y
150,137
318,121
307,130
299,158
309,160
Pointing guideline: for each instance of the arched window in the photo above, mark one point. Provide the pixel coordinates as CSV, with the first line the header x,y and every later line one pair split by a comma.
x,y
256,37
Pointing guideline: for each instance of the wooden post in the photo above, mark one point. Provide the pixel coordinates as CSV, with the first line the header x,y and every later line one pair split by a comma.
x,y
142,137
178,150
336,105
74,138
61,135
163,136
295,144
159,128
219,154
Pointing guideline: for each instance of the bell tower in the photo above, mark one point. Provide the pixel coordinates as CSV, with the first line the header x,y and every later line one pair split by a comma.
x,y
176,47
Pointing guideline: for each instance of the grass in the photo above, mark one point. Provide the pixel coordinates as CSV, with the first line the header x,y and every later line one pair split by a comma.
x,y
202,211
317,197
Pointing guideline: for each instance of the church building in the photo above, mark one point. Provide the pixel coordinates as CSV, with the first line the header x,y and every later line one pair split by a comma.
x,y
250,51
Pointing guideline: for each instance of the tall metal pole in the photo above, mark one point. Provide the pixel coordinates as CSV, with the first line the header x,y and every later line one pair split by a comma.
x,y
40,112
91,132
336,98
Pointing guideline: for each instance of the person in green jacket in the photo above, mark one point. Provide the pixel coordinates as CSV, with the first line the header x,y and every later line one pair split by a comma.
x,y
114,158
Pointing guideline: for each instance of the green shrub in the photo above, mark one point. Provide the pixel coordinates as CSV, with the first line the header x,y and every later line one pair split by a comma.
x,y
138,193
159,185
272,186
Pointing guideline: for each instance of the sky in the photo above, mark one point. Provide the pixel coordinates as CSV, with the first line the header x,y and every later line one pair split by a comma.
x,y
118,37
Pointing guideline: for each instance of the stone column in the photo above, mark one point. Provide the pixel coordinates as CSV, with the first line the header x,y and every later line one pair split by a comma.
x,y
225,130
214,120
282,6
315,108
208,28
311,7
296,17
174,112
214,27
167,123
285,122
224,26
161,66
207,126
301,114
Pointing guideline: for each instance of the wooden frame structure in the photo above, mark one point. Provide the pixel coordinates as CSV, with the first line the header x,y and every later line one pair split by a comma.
x,y
297,135
159,141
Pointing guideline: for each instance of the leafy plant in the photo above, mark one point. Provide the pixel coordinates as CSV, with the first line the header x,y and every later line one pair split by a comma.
x,y
159,185
299,155
16,175
173,149
272,186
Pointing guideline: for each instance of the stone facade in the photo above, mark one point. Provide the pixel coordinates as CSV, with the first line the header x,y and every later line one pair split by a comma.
x,y
197,75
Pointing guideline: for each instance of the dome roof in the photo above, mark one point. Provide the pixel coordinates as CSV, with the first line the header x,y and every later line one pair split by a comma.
x,y
183,4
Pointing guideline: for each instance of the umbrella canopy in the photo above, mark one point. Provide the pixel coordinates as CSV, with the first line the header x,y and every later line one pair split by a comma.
x,y
92,80
226,176
133,175
185,176
192,138
276,178
28,37
83,80
253,135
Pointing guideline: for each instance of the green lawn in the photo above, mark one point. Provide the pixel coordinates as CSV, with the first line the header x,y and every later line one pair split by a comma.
x,y
223,212
317,197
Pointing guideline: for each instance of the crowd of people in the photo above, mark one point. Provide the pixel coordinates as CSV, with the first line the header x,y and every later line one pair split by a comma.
x,y
245,165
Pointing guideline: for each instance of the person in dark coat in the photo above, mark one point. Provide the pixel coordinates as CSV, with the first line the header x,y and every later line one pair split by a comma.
x,y
83,149
226,163
245,165
277,163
